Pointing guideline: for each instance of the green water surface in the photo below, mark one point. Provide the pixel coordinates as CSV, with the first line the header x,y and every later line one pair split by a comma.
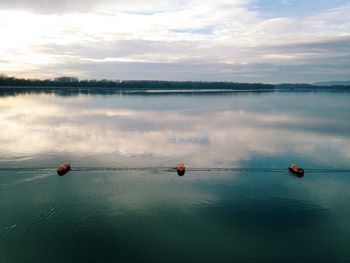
x,y
136,215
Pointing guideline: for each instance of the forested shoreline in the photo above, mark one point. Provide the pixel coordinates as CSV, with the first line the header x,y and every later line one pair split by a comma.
x,y
61,83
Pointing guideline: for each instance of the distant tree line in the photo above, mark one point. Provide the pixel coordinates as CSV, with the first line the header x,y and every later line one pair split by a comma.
x,y
57,82
72,82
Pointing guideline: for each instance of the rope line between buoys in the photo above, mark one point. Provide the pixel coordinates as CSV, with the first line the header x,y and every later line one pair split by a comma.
x,y
170,169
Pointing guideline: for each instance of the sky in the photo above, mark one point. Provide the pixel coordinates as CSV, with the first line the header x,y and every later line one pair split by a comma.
x,y
270,41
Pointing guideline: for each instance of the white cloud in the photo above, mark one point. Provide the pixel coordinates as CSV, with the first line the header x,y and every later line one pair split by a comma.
x,y
199,32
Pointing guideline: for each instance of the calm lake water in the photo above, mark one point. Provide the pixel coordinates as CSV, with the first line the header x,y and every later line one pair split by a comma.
x,y
130,215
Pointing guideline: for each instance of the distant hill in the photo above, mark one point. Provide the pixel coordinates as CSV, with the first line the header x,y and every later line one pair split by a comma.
x,y
333,83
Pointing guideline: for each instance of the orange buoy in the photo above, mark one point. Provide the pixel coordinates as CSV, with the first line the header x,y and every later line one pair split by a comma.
x,y
296,169
63,168
180,168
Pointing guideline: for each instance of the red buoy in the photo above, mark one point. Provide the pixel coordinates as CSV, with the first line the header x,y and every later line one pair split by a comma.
x,y
63,168
180,168
296,169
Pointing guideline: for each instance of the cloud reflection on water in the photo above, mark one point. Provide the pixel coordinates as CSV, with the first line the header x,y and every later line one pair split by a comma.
x,y
191,129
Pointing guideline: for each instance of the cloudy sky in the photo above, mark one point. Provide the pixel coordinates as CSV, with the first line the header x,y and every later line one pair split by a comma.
x,y
267,41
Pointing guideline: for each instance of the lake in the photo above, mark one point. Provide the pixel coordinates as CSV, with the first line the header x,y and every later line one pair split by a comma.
x,y
124,202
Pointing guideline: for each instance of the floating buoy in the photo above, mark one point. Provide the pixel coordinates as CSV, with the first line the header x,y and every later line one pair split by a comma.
x,y
180,168
296,170
63,169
